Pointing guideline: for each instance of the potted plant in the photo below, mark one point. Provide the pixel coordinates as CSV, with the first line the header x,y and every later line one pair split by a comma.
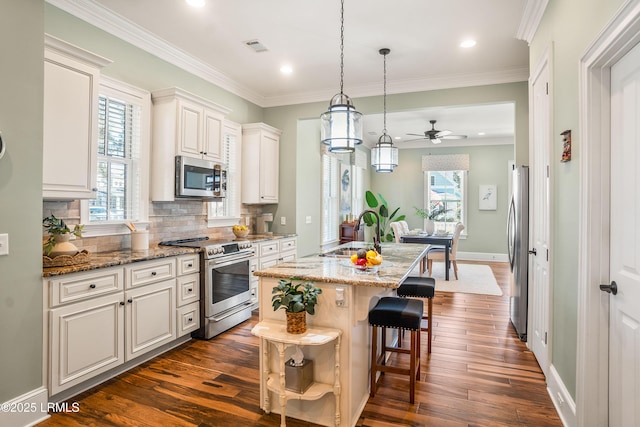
x,y
59,235
435,212
385,218
296,299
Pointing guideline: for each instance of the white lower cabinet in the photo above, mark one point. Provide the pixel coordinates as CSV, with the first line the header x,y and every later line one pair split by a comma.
x,y
150,317
87,338
102,319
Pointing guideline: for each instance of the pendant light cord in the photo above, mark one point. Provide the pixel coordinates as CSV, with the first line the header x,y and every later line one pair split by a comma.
x,y
341,46
384,103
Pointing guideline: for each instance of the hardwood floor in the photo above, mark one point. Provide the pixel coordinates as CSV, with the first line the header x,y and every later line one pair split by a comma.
x,y
478,374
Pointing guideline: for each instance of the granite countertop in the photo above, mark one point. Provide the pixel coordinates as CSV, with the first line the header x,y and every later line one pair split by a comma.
x,y
398,261
110,259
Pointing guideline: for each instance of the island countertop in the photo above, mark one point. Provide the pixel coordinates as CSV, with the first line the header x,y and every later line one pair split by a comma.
x,y
398,261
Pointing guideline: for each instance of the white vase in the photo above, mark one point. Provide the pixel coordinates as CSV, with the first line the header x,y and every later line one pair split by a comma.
x,y
63,246
429,226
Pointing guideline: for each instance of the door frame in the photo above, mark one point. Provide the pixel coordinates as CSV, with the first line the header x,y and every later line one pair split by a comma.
x,y
592,370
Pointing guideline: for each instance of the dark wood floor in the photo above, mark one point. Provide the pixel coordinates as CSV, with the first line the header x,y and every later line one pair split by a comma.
x,y
478,374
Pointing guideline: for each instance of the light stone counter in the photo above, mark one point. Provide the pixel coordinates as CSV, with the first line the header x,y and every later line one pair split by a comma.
x,y
360,292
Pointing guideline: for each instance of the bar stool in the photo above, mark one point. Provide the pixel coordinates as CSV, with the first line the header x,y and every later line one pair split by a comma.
x,y
420,287
401,314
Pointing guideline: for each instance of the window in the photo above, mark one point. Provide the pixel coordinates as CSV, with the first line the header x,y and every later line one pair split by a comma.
x,y
330,199
122,159
445,193
226,212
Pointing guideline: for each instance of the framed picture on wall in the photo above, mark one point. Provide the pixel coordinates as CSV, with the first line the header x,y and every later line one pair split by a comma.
x,y
488,197
345,189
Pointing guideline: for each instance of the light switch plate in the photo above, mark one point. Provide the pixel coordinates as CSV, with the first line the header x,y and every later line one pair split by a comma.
x,y
308,219
4,244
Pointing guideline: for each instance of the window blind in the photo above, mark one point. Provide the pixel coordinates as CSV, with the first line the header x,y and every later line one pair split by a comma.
x,y
445,162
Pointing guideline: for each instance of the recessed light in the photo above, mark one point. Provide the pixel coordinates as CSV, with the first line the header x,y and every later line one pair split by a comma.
x,y
195,3
481,133
286,69
468,43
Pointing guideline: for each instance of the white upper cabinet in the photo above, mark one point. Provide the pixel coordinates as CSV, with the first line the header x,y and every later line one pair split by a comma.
x,y
184,124
260,163
70,116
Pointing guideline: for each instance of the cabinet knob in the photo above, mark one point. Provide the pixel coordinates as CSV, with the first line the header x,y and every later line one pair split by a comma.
x,y
121,302
94,189
92,286
153,273
190,290
189,265
190,319
130,300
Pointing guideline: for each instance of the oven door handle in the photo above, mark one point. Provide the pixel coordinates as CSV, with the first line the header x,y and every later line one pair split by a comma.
x,y
228,261
230,312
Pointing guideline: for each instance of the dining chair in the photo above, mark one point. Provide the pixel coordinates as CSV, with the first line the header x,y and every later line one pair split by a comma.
x,y
437,254
404,227
397,231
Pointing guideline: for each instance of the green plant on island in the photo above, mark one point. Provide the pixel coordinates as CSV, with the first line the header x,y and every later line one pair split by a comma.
x,y
386,218
295,297
56,227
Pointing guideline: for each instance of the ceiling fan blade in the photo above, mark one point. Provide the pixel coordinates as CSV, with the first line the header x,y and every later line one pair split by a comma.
x,y
454,137
416,139
442,133
416,134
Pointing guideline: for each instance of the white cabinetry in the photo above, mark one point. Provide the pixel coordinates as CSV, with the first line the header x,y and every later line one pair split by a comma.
x,y
101,319
270,253
260,163
70,120
184,124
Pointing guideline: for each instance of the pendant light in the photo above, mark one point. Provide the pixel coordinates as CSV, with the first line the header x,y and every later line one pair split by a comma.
x,y
384,156
341,125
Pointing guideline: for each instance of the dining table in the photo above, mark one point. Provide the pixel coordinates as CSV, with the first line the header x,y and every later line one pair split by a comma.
x,y
445,240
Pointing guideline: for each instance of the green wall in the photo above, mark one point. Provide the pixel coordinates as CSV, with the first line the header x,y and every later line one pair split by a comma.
x,y
21,86
567,29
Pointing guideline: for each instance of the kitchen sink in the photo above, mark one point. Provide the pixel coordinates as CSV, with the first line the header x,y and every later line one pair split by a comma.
x,y
344,252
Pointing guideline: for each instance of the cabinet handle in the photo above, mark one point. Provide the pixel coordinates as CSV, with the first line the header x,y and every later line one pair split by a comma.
x,y
190,319
189,265
190,290
94,189
153,273
130,300
121,302
92,286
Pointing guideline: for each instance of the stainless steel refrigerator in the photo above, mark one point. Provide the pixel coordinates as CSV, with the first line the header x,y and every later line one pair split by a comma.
x,y
518,249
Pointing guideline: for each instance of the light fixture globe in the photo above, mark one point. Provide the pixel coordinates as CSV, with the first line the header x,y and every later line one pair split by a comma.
x,y
384,156
341,126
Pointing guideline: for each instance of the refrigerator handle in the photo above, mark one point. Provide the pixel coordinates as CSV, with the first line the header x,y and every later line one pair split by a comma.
x,y
511,235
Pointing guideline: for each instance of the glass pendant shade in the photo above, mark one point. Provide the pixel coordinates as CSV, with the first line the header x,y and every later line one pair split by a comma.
x,y
341,126
384,156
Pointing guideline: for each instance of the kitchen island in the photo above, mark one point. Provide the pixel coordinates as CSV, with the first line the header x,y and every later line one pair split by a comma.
x,y
347,296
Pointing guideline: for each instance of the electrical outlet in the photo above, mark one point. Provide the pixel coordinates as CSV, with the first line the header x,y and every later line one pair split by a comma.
x,y
307,220
283,220
4,244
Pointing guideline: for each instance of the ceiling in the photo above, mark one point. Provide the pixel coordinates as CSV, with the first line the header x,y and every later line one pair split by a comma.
x,y
423,35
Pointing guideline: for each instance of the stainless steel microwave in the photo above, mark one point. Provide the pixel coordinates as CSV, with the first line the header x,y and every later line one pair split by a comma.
x,y
198,178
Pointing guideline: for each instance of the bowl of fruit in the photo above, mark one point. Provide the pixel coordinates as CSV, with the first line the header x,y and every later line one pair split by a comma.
x,y
366,260
241,231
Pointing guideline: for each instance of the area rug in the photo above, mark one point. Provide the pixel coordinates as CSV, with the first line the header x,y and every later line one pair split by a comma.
x,y
472,279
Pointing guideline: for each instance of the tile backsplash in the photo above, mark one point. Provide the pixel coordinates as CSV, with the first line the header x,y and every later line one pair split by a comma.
x,y
167,221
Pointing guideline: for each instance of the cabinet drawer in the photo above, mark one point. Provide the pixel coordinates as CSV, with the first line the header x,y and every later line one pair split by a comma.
x,y
287,245
149,272
188,319
81,286
188,289
269,248
188,264
267,262
287,256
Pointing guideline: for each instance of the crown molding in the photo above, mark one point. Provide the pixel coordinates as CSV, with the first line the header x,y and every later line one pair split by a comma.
x,y
114,24
118,26
533,12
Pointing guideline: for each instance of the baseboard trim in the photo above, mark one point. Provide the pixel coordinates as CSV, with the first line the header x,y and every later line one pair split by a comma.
x,y
482,256
26,410
561,399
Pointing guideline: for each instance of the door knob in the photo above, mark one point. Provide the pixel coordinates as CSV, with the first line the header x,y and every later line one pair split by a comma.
x,y
610,289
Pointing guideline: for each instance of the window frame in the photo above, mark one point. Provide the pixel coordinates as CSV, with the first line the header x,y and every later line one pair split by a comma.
x,y
464,199
122,91
330,218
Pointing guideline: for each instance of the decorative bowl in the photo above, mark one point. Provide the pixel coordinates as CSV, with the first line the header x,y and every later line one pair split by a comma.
x,y
241,233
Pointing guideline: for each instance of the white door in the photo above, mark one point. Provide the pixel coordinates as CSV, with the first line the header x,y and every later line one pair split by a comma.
x,y
539,238
624,337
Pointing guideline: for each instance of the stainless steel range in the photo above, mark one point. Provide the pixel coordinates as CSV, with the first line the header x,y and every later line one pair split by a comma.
x,y
225,272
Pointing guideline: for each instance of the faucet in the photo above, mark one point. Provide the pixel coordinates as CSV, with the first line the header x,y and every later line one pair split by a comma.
x,y
376,239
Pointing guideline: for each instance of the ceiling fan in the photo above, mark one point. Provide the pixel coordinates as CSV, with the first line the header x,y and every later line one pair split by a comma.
x,y
436,136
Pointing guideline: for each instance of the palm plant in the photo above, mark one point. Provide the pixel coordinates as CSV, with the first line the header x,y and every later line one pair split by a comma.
x,y
385,217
